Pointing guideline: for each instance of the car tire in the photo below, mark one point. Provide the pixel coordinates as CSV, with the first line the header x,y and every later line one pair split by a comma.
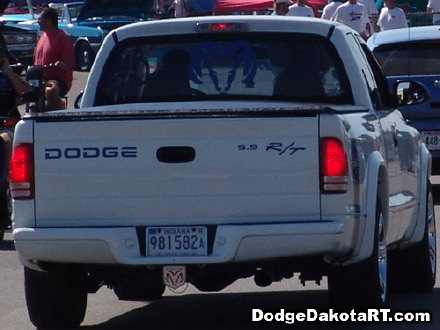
x,y
364,284
414,269
55,300
84,57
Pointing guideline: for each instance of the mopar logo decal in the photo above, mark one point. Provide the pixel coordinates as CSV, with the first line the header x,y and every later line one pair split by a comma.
x,y
90,152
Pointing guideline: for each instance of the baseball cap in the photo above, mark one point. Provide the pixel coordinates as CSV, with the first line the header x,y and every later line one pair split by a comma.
x,y
283,1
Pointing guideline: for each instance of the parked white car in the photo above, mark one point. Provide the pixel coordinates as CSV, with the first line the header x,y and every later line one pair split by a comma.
x,y
210,149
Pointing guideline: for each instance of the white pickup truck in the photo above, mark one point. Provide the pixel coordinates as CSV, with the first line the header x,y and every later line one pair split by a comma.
x,y
212,149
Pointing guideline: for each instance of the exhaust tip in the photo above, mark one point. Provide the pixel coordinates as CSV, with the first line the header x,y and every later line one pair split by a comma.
x,y
263,279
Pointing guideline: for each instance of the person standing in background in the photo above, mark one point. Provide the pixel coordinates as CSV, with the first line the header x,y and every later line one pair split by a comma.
x,y
371,6
434,7
182,8
56,53
373,13
281,7
300,8
391,17
330,9
354,15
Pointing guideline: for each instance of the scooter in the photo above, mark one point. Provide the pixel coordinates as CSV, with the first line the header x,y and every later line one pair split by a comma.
x,y
36,100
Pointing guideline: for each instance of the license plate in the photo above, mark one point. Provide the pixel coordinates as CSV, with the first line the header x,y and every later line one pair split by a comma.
x,y
177,241
431,139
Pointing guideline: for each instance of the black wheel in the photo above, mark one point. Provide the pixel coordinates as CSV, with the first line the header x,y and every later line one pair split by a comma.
x,y
362,285
55,300
84,57
414,269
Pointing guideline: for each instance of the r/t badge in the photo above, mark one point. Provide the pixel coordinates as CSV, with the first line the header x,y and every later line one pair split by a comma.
x,y
282,149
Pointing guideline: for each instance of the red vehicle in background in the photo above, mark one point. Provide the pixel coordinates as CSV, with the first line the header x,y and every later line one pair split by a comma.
x,y
18,9
225,7
240,7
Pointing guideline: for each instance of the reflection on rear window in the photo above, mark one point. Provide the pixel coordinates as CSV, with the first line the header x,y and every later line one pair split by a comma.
x,y
225,66
409,59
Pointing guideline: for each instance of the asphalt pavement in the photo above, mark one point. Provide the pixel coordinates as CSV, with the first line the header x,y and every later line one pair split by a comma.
x,y
228,309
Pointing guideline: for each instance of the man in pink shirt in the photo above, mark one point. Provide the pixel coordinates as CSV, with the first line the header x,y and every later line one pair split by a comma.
x,y
55,52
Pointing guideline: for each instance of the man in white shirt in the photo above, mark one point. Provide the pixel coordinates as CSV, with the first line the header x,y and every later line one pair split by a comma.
x,y
434,7
330,9
371,6
373,13
300,9
391,17
354,15
281,7
182,8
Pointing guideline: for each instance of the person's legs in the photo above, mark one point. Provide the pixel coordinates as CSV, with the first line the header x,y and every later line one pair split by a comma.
x,y
54,91
7,138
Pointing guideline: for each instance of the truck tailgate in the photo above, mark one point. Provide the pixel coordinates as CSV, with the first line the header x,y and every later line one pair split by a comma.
x,y
141,171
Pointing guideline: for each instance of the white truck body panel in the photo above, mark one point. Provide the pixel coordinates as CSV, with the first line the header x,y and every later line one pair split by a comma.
x,y
256,185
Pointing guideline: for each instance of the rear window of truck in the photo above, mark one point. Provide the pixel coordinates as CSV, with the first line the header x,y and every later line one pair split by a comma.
x,y
228,66
417,58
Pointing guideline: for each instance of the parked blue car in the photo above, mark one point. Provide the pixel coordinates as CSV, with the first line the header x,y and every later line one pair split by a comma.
x,y
21,42
413,54
87,40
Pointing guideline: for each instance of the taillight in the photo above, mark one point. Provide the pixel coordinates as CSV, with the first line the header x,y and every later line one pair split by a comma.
x,y
10,122
21,172
334,166
222,27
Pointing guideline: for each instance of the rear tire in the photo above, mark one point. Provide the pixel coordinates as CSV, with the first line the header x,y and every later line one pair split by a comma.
x,y
414,269
362,285
55,300
84,57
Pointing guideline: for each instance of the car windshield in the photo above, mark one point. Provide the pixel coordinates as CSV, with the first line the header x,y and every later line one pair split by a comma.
x,y
410,59
74,11
115,9
225,66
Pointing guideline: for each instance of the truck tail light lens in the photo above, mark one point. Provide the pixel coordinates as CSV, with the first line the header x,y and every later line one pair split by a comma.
x,y
222,27
21,175
334,166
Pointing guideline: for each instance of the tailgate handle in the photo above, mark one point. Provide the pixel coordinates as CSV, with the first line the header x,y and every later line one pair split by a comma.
x,y
175,155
